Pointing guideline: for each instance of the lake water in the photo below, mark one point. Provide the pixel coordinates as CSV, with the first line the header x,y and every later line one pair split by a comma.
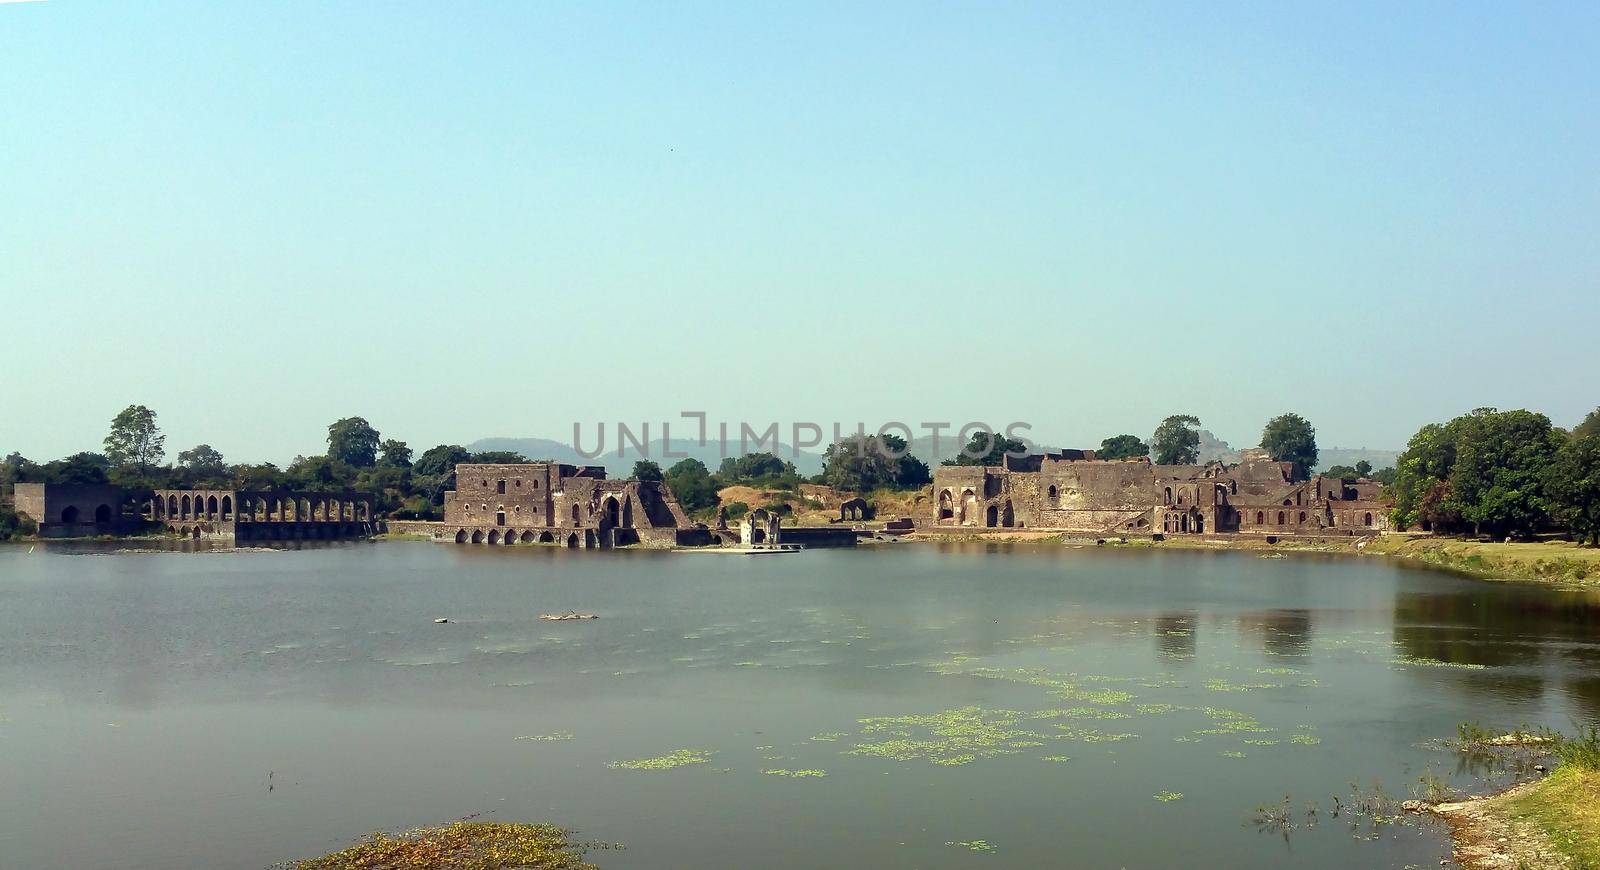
x,y
238,709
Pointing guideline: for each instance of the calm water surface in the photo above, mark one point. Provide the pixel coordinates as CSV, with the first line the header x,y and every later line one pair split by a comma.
x,y
1048,696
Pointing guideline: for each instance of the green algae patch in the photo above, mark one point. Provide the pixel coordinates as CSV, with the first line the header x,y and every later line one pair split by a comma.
x,y
949,737
548,738
675,759
1436,663
1305,740
808,773
1233,753
829,736
1168,797
972,845
1056,758
463,845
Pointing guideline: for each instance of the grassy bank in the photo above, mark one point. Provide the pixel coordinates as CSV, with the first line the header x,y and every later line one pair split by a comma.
x,y
1548,823
1559,563
1565,807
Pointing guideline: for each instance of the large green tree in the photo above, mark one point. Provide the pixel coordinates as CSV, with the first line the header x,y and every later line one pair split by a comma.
x,y
1572,483
1177,440
202,459
354,442
135,442
693,485
1122,447
442,459
647,470
987,448
859,463
1290,438
1484,471
395,454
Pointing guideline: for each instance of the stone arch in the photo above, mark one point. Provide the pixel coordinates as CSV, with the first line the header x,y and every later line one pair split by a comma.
x,y
172,507
1366,519
1168,493
572,539
546,538
1302,516
227,508
577,516
969,503
611,511
183,532
494,536
946,505
1280,518
1053,494
527,537
195,533
185,507
102,514
991,517
1008,517
510,537
477,536
589,541
211,508
1261,518
461,536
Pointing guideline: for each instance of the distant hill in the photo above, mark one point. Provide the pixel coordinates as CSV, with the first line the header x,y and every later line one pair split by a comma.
x,y
807,463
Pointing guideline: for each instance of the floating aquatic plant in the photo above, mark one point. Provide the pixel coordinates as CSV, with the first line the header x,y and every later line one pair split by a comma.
x,y
1169,796
1305,740
552,736
478,845
674,759
1436,663
1057,758
797,774
1233,753
829,735
972,845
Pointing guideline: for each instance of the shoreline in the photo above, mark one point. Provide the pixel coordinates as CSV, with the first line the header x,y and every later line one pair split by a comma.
x,y
1558,565
1550,822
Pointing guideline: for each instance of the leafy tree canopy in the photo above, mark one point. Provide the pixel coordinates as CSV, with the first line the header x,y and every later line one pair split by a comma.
x,y
1290,438
354,442
1122,447
987,448
1572,482
395,454
647,470
691,482
135,441
1177,440
202,458
441,460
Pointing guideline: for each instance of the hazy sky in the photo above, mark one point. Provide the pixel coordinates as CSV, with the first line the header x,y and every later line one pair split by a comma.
x,y
463,220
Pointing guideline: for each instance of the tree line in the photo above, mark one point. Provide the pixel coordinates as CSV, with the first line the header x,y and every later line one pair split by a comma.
x,y
358,458
1501,473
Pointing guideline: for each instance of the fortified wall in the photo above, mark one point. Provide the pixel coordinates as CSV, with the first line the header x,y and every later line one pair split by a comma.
x,y
555,503
1072,490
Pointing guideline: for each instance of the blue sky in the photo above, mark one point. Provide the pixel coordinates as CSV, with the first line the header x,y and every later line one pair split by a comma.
x,y
464,220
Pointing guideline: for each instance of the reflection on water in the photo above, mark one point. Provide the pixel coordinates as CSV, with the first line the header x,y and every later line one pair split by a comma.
x,y
837,708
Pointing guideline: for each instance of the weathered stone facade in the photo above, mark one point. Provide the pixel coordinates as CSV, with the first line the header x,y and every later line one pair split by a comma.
x,y
1072,490
554,503
262,516
72,510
